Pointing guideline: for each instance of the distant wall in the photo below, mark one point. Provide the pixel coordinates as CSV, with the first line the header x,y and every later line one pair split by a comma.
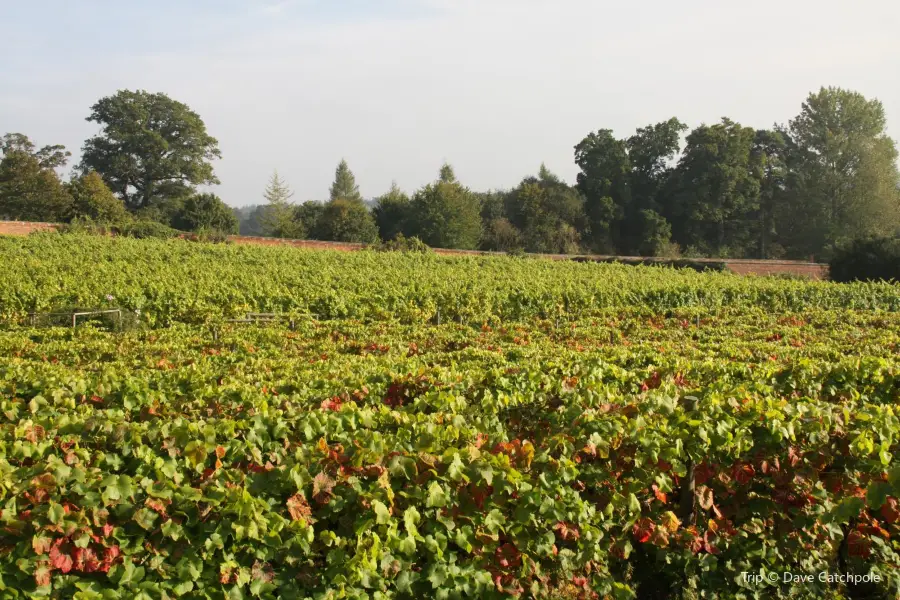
x,y
24,227
739,266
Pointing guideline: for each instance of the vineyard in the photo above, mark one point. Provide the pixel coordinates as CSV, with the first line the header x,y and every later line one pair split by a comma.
x,y
419,426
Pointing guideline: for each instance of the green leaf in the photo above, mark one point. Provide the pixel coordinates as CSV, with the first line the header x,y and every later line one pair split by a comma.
x,y
877,494
634,505
437,497
456,470
494,520
56,513
382,513
411,518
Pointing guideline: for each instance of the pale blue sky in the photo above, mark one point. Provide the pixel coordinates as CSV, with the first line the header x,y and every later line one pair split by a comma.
x,y
398,86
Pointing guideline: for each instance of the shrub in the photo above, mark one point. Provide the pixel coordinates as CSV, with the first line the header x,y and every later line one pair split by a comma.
x,y
146,229
206,212
402,244
866,259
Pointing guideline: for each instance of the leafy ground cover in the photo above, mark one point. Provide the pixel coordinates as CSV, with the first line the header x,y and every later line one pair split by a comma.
x,y
370,456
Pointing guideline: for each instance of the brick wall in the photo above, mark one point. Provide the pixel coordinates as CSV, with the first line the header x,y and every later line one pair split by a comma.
x,y
741,267
24,227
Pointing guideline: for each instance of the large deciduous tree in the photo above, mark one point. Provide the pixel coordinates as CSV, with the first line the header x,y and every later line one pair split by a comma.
x,y
548,212
445,214
622,180
391,213
345,220
603,181
30,189
149,147
717,189
843,171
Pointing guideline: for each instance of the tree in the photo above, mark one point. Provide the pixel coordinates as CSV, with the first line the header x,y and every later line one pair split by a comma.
x,y
769,149
656,233
150,146
308,215
92,199
548,212
447,174
206,212
651,151
501,236
49,157
844,170
344,185
250,219
603,181
391,213
445,214
493,204
30,189
620,179
279,216
346,220
718,187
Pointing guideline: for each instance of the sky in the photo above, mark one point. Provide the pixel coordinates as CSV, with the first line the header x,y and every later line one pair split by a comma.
x,y
398,87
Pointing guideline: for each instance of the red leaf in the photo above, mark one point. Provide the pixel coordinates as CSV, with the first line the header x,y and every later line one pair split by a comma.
x,y
858,545
660,495
298,508
58,559
889,510
743,473
567,531
643,529
86,560
653,382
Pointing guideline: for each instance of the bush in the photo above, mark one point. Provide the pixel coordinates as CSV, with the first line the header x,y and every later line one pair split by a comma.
x,y
212,236
867,259
146,229
402,244
205,212
86,225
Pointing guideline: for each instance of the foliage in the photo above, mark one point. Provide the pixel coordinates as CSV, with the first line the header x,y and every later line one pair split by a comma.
x,y
149,147
278,218
717,189
656,234
445,214
30,189
548,212
206,212
343,220
843,171
144,229
344,186
402,244
93,200
518,459
391,213
195,284
867,259
501,236
308,214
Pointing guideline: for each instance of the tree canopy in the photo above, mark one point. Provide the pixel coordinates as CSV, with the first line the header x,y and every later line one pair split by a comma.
x,y
149,146
795,190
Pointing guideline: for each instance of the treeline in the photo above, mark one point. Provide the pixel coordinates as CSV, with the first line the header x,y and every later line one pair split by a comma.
x,y
793,191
